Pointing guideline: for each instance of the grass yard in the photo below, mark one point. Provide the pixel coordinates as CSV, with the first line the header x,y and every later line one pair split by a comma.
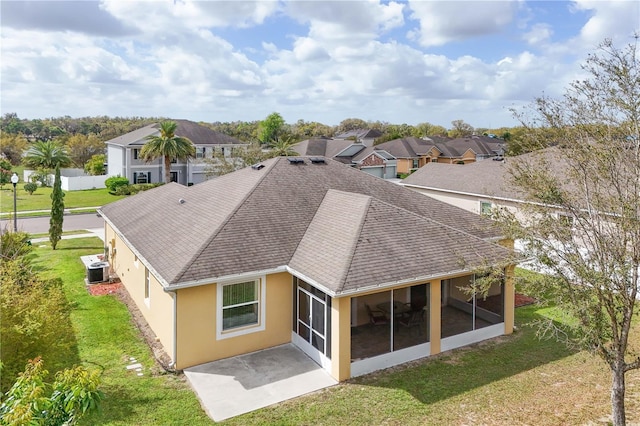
x,y
512,380
41,199
107,339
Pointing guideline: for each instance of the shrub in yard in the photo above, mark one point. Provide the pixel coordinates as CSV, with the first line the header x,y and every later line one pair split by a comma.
x,y
33,401
114,182
135,188
36,321
30,187
123,190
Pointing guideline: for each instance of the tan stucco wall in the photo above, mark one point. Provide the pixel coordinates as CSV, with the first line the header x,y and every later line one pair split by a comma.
x,y
341,338
435,316
509,301
196,320
403,165
158,311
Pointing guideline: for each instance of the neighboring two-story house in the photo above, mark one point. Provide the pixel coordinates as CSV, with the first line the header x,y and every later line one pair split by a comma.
x,y
123,154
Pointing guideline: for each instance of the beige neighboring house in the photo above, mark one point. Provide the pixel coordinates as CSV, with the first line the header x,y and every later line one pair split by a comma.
x,y
477,187
310,252
412,153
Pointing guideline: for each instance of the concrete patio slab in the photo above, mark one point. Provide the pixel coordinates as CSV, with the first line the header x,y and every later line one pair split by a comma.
x,y
238,385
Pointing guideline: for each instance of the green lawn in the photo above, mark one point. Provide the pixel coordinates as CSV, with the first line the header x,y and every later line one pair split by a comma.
x,y
107,339
512,380
41,199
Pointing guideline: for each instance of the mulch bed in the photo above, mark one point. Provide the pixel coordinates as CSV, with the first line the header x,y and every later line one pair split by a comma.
x,y
105,288
522,300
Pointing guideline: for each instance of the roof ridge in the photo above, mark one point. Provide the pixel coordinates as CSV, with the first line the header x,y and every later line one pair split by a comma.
x,y
343,278
204,245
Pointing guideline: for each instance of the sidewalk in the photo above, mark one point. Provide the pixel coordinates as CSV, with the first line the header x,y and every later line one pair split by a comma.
x,y
48,212
97,232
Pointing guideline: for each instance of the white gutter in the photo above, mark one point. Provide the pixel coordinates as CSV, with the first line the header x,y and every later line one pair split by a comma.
x,y
224,278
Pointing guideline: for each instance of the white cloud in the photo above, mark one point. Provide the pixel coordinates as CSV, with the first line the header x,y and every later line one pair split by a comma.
x,y
539,33
169,16
442,22
610,19
179,59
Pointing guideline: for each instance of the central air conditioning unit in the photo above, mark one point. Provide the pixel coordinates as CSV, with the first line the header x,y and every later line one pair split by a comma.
x,y
97,272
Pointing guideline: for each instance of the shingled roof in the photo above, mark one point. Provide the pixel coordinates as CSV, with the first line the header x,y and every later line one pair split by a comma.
x,y
484,178
343,229
197,133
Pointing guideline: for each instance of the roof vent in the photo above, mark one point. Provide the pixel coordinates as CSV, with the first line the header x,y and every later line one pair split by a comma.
x,y
257,166
295,160
317,160
181,201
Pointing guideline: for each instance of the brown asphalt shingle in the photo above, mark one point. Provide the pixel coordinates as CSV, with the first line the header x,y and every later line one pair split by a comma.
x,y
290,214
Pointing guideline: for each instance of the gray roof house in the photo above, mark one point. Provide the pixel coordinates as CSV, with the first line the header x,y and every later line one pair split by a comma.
x,y
123,151
302,251
363,136
376,162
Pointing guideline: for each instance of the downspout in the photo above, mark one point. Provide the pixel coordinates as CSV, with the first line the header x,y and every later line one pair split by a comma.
x,y
174,348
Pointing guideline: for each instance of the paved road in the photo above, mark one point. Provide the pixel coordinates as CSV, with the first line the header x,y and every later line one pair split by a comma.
x,y
39,225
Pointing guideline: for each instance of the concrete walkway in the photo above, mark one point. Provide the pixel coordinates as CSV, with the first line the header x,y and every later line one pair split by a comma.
x,y
238,385
98,232
48,212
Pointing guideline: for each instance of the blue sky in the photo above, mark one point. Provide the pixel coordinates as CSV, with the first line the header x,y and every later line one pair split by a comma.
x,y
399,62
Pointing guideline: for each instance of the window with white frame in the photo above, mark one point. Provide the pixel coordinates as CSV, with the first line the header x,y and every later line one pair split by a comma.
x,y
240,307
200,151
485,208
141,177
147,287
136,153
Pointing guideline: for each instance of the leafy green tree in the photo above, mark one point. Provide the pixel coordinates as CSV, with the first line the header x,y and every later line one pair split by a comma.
x,y
427,129
5,172
95,165
32,401
83,147
46,155
591,257
311,129
168,146
271,129
460,129
57,211
30,187
219,165
351,124
12,146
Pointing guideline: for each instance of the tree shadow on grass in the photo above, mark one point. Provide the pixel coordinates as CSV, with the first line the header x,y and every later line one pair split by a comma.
x,y
461,370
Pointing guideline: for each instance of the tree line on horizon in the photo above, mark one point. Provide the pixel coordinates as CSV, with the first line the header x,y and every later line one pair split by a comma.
x,y
84,137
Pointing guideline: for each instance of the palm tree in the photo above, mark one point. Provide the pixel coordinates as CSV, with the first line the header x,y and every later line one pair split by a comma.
x,y
46,155
168,146
283,147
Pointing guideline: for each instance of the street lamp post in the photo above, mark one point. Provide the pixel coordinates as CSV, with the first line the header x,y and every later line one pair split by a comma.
x,y
14,181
